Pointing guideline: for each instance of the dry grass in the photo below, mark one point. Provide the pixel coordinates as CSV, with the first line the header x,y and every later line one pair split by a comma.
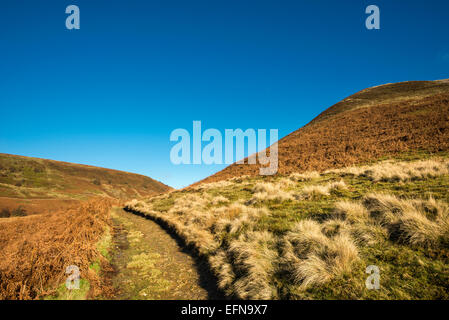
x,y
353,218
254,256
222,267
270,191
234,217
286,183
35,250
314,258
219,200
416,222
202,228
213,185
351,211
389,171
323,190
306,176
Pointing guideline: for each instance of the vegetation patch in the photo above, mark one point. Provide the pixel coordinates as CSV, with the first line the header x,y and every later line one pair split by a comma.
x,y
36,250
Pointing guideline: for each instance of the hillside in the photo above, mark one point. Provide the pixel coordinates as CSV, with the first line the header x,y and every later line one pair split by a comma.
x,y
382,121
362,187
313,235
41,185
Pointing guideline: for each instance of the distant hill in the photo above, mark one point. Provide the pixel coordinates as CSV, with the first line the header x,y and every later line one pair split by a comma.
x,y
382,121
25,180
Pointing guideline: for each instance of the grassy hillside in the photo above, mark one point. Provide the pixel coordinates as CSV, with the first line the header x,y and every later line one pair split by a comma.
x,y
24,177
383,121
40,185
364,184
312,235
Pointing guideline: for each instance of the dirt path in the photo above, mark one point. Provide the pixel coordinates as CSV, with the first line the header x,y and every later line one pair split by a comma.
x,y
150,264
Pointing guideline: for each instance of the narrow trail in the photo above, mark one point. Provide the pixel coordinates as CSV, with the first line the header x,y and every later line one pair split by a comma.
x,y
150,264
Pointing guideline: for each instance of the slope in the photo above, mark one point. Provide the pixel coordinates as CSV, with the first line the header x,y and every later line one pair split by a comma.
x,y
382,121
41,185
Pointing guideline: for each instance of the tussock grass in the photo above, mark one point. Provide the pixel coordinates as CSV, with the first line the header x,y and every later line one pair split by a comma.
x,y
213,185
314,258
306,176
202,228
270,191
323,190
286,183
389,171
234,217
254,256
416,222
351,211
221,265
219,199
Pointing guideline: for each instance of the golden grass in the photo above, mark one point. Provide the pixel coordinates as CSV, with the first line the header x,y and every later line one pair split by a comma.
x,y
416,222
221,265
314,258
270,191
234,217
219,200
306,176
213,185
255,257
323,190
351,211
399,171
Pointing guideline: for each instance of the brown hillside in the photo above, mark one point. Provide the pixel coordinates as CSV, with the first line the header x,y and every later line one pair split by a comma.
x,y
40,185
381,121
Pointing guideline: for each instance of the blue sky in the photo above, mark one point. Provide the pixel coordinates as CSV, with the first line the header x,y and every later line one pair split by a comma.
x,y
110,93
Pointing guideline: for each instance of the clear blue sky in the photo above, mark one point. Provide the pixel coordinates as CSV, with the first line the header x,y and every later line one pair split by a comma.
x,y
110,93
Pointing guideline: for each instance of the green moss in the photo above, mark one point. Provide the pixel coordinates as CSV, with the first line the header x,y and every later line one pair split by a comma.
x,y
95,266
164,205
105,243
62,293
139,278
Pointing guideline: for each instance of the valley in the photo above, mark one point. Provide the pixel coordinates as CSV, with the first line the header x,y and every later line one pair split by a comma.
x,y
365,184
